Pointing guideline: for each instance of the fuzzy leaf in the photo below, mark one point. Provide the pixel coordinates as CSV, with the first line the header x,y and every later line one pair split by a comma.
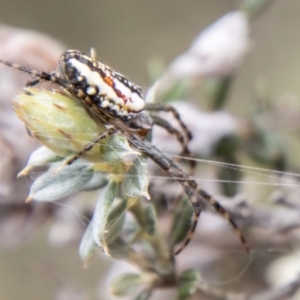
x,y
144,214
98,181
87,245
50,186
101,213
135,183
150,219
143,295
115,220
41,156
118,249
181,222
114,230
126,284
187,283
116,148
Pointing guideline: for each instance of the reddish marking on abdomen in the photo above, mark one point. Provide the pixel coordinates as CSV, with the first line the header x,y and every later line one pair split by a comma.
x,y
109,81
120,95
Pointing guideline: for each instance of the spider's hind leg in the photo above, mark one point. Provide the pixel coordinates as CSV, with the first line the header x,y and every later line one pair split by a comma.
x,y
190,234
169,108
184,139
197,196
179,136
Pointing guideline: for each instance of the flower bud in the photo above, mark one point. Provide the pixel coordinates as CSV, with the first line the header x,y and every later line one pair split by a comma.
x,y
58,121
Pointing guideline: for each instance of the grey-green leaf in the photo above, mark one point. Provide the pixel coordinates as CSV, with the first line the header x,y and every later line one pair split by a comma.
x,y
150,219
181,222
126,284
43,156
98,181
116,148
187,284
87,245
104,204
135,183
143,295
50,186
118,249
115,219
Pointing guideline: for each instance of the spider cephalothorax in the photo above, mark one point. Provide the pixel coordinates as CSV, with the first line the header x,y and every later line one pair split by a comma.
x,y
119,104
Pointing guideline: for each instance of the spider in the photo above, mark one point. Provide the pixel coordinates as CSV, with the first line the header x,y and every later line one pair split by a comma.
x,y
119,104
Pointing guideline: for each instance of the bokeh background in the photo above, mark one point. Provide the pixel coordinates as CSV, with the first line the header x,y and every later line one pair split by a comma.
x,y
126,34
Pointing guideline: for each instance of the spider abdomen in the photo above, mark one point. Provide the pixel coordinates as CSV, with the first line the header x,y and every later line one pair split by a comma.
x,y
109,90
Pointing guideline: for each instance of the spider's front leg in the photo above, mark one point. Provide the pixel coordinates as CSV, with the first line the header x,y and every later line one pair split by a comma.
x,y
43,76
87,148
196,195
33,82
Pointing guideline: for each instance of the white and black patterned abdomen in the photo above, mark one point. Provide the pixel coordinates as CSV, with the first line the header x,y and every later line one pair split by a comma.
x,y
89,79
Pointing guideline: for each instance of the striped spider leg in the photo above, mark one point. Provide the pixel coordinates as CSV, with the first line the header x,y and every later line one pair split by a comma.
x,y
119,104
183,137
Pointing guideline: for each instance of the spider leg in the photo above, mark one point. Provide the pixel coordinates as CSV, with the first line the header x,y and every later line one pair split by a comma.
x,y
169,108
87,148
190,234
197,196
33,82
40,75
185,150
38,79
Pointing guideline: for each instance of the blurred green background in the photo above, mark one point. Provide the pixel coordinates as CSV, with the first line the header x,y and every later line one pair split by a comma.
x,y
126,34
